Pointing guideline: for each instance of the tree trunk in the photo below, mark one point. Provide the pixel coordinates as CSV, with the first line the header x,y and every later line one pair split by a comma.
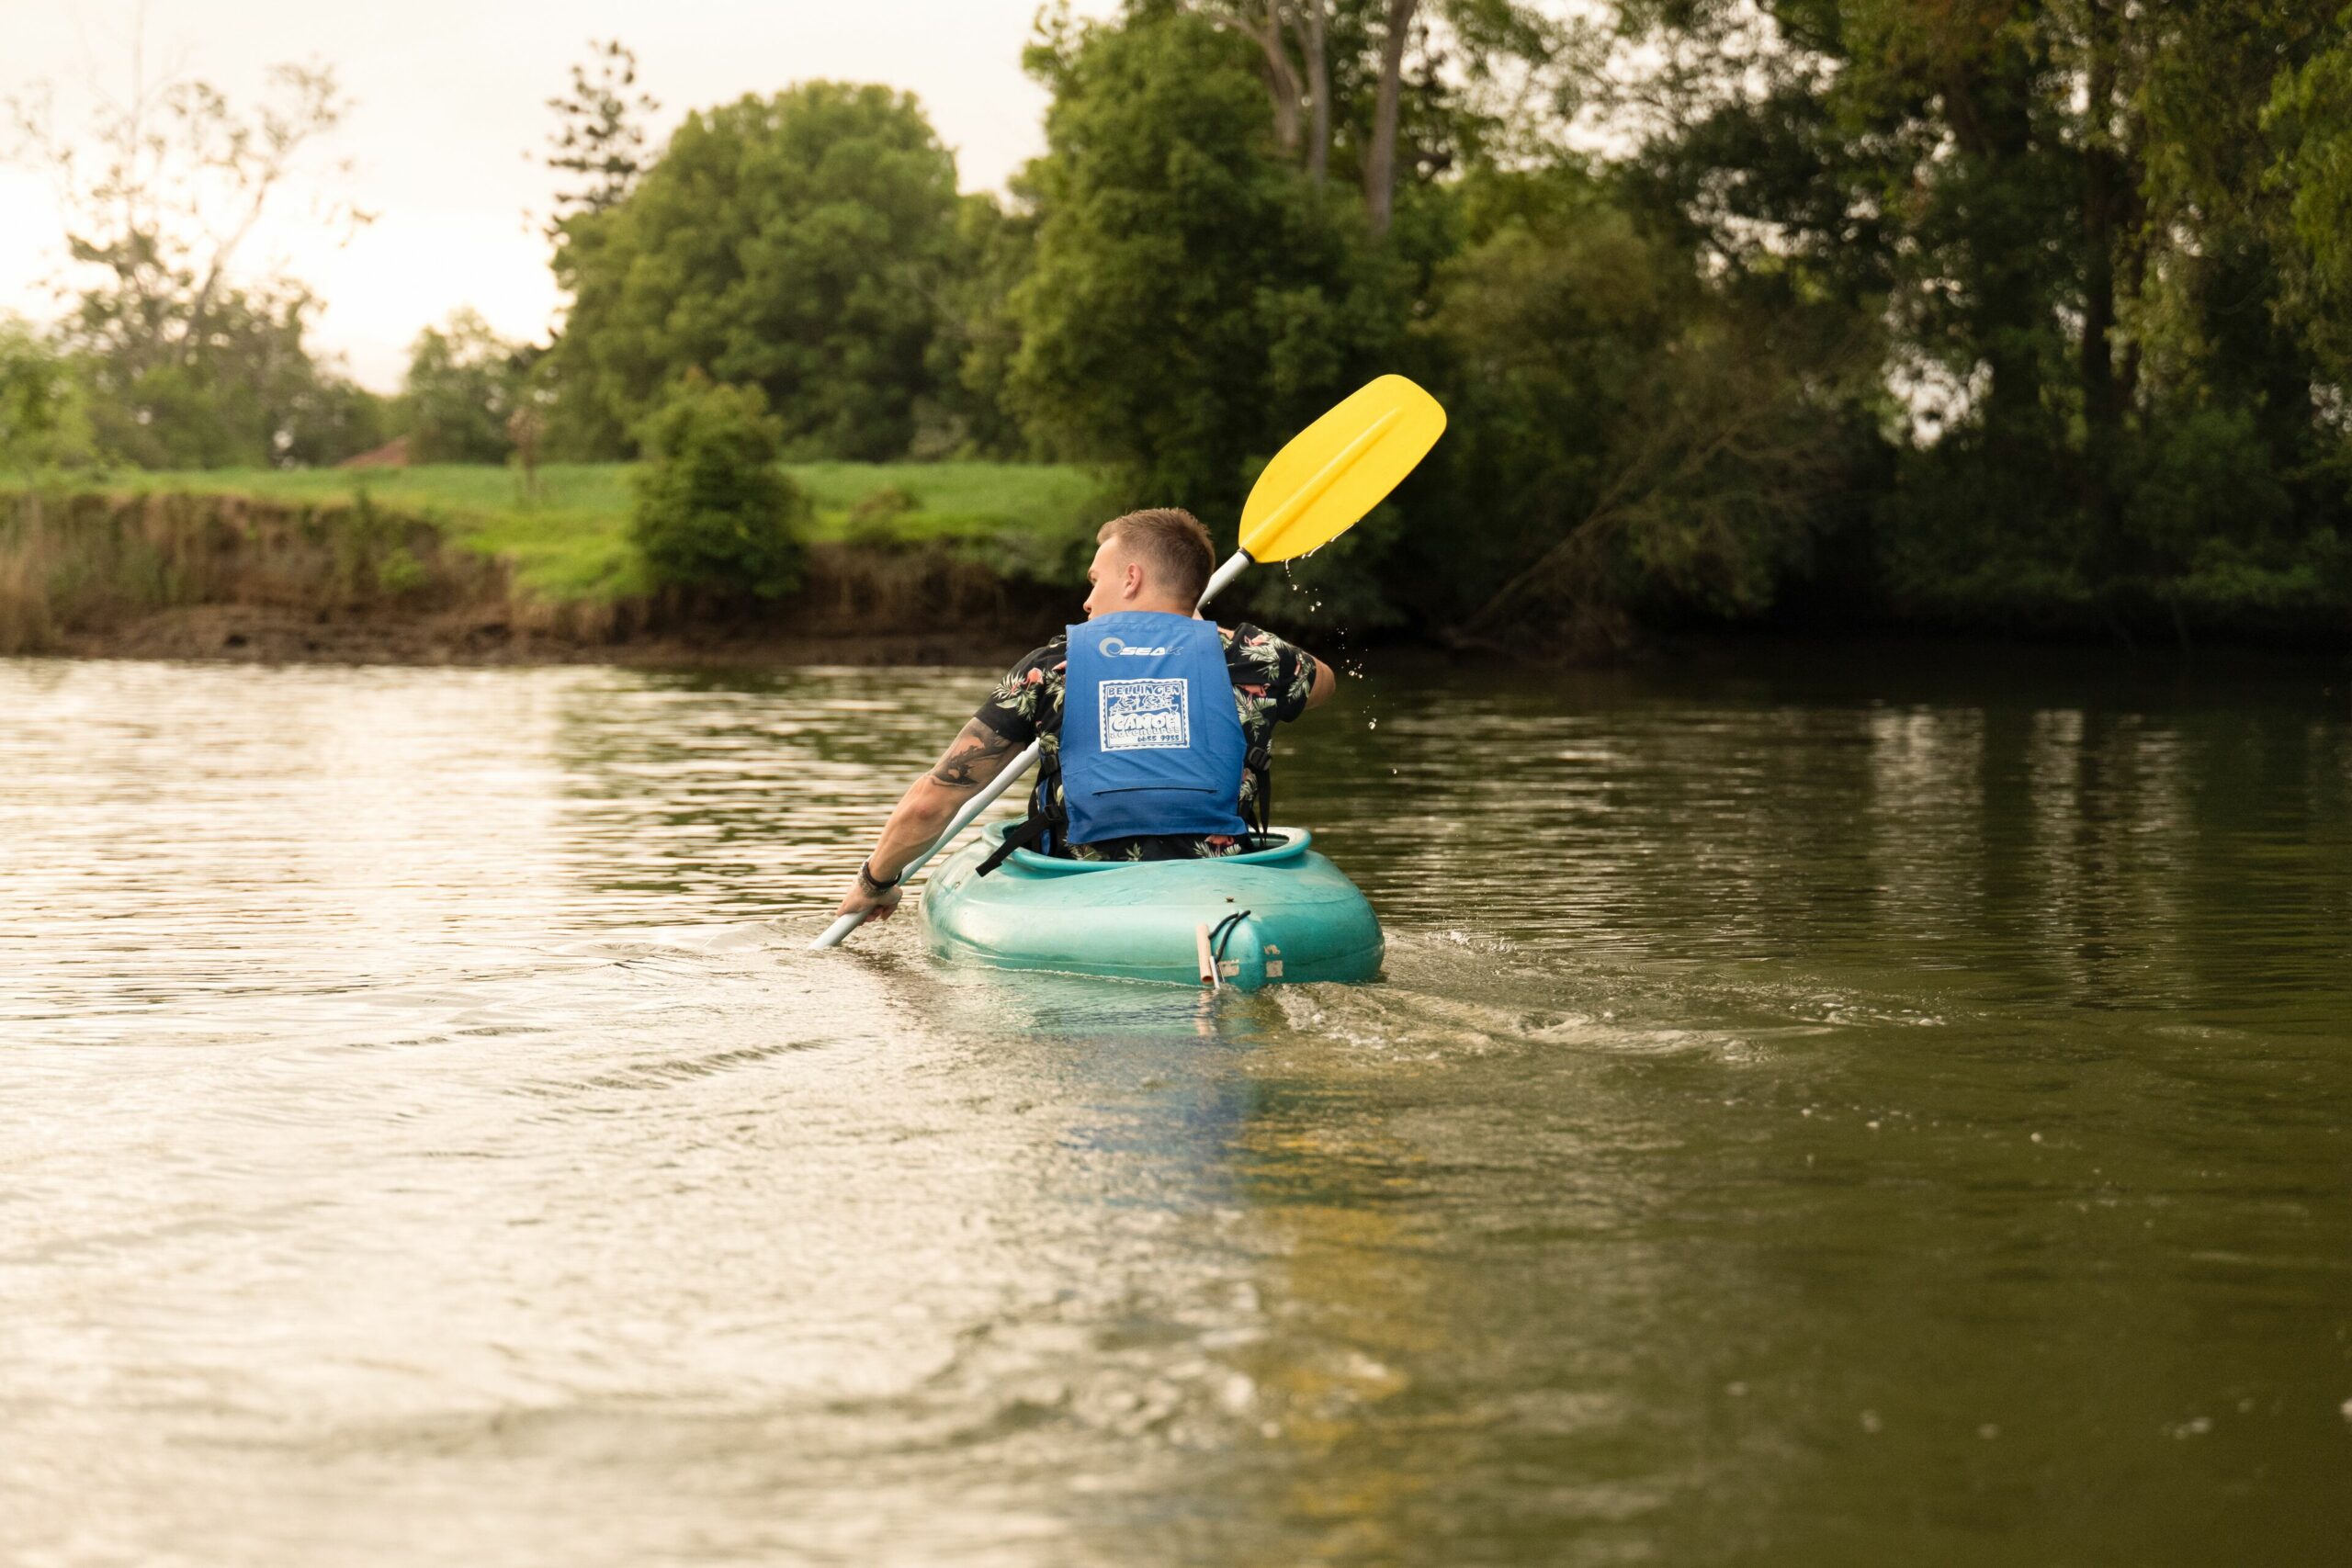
x,y
1989,107
2102,200
1282,76
2132,261
1380,164
1307,17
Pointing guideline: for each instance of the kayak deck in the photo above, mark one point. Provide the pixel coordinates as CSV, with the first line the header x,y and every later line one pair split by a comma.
x,y
1281,915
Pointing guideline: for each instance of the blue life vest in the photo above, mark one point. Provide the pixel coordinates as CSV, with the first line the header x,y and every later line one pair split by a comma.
x,y
1151,741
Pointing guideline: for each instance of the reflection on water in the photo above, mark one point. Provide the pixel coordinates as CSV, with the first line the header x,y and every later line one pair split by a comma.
x,y
1797,1126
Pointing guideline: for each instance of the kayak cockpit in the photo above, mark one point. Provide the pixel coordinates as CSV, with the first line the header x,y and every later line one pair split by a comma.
x,y
1287,843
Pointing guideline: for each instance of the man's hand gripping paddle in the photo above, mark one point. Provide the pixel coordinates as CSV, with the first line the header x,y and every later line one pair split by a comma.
x,y
1316,490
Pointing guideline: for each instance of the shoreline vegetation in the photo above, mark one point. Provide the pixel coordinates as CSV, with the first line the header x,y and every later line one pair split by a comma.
x,y
906,563
2030,327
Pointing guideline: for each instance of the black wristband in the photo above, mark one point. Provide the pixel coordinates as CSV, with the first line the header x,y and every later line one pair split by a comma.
x,y
872,884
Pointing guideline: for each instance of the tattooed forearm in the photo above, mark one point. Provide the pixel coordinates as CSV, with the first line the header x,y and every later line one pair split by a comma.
x,y
967,763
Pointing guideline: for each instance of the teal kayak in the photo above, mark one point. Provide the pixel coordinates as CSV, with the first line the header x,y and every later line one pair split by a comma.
x,y
1274,916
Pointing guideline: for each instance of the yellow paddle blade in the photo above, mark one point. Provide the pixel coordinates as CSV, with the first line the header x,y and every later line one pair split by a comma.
x,y
1338,468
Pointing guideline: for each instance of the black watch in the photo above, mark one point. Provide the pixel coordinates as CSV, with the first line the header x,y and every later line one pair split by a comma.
x,y
872,884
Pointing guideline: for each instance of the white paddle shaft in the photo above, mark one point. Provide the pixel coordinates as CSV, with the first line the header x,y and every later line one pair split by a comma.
x,y
1235,565
841,928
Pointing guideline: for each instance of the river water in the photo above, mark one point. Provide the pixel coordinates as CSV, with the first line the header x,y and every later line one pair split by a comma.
x,y
1847,1117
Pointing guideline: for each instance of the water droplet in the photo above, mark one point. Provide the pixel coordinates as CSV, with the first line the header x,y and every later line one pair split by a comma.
x,y
1988,1431
1870,1421
1368,724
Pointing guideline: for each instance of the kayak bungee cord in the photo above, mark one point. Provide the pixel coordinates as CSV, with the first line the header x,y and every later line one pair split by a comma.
x,y
1223,932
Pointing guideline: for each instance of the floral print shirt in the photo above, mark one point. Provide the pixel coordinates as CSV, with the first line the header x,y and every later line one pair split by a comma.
x,y
1272,681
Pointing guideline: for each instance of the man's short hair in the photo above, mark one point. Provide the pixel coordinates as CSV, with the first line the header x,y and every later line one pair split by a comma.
x,y
1173,544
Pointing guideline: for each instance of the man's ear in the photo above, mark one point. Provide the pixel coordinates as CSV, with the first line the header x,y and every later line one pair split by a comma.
x,y
1134,586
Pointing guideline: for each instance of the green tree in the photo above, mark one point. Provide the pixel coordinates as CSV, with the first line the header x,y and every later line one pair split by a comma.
x,y
970,357
2060,209
43,421
599,139
326,418
189,361
252,394
463,386
1631,440
2309,126
798,243
1379,90
1193,300
713,511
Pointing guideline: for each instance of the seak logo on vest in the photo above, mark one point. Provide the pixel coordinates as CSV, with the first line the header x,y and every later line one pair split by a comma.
x,y
1112,648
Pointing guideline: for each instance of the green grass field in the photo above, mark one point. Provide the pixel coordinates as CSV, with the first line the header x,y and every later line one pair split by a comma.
x,y
571,542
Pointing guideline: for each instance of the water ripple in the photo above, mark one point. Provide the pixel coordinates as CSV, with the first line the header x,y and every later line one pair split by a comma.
x,y
423,1137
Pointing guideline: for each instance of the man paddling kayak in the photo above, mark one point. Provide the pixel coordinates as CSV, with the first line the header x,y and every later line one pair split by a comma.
x,y
1146,770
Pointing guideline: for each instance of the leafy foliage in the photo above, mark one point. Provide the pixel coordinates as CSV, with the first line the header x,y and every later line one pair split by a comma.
x,y
184,363
599,139
2002,312
463,386
1628,440
2096,239
44,420
797,243
969,359
712,510
245,390
1193,300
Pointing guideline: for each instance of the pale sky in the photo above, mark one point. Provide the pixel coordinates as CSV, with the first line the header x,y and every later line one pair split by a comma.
x,y
449,96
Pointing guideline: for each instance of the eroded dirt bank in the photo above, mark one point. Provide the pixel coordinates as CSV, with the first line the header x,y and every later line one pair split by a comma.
x,y
225,577
265,635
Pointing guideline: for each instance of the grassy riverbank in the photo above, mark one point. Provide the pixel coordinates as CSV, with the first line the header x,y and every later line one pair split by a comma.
x,y
568,541
453,563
